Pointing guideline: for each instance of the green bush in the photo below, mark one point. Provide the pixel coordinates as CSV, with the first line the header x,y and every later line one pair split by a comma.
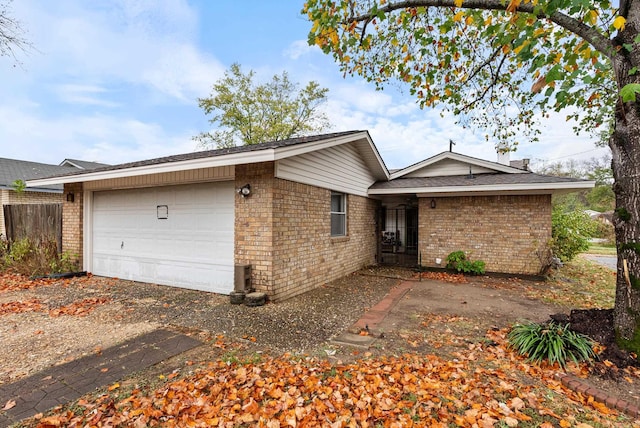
x,y
29,257
458,260
551,342
570,233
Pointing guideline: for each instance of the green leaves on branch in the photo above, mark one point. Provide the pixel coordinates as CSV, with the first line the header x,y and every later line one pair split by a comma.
x,y
248,113
480,63
628,92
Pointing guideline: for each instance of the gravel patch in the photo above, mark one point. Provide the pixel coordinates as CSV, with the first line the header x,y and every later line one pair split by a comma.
x,y
35,339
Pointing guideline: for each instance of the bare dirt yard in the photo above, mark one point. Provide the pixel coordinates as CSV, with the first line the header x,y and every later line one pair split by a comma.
x,y
457,324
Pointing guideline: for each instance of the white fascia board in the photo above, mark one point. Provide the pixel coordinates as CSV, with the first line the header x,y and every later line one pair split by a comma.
x,y
461,158
496,188
265,155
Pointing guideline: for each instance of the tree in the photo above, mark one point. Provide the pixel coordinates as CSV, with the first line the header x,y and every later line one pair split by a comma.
x,y
250,114
11,33
600,198
496,63
570,233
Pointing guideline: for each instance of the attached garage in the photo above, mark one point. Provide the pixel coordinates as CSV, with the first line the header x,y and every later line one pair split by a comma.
x,y
174,235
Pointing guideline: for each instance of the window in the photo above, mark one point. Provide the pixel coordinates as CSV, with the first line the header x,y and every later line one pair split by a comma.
x,y
338,214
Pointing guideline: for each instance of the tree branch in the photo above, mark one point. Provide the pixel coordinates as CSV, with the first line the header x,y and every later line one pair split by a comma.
x,y
590,34
496,76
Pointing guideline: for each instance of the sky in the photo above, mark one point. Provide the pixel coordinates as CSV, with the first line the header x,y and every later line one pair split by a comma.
x,y
117,81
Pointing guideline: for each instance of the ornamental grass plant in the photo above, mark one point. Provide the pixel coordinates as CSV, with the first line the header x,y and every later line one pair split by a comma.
x,y
552,342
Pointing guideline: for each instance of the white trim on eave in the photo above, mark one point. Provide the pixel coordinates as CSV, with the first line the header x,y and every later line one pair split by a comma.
x,y
207,162
528,188
264,155
460,158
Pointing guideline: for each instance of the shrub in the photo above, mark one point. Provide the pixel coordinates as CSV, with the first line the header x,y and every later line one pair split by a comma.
x,y
28,257
458,260
551,342
570,233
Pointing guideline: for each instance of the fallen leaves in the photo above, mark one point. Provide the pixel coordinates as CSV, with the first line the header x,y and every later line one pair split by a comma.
x,y
445,277
33,305
81,308
409,390
13,282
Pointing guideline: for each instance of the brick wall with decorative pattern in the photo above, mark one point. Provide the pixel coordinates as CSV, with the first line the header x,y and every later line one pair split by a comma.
x,y
506,232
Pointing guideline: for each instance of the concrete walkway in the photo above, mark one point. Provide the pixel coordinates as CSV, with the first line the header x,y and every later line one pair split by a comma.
x,y
67,382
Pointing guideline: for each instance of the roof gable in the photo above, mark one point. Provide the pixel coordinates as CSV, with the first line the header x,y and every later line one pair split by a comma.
x,y
81,164
450,164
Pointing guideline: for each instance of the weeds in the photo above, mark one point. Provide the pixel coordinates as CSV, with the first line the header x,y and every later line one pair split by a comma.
x,y
30,257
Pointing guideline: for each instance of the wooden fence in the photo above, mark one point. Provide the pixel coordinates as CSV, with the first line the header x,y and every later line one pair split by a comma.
x,y
34,221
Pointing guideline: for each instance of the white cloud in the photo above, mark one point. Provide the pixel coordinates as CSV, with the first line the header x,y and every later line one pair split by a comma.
x,y
298,49
95,138
83,94
142,43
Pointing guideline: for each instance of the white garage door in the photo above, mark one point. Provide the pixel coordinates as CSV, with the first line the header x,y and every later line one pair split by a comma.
x,y
174,235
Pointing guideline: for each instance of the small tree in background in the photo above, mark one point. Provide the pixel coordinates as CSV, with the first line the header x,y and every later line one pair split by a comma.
x,y
248,113
570,233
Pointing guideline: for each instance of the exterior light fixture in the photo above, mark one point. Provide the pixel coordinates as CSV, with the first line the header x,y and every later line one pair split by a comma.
x,y
70,197
433,203
245,190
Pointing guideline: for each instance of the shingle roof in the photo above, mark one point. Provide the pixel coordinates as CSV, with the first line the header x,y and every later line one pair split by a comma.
x,y
477,180
12,170
212,153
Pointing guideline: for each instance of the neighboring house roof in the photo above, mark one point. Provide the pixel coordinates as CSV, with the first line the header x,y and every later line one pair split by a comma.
x,y
264,152
13,169
80,164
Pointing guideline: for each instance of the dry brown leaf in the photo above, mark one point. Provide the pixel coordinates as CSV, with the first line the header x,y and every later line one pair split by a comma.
x,y
9,405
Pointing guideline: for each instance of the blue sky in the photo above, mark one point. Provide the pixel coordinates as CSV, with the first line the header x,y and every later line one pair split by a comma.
x,y
117,81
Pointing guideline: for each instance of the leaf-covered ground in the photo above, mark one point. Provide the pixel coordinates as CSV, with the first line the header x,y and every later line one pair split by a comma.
x,y
448,373
484,386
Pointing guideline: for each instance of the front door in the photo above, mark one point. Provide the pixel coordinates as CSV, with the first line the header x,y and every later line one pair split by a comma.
x,y
398,236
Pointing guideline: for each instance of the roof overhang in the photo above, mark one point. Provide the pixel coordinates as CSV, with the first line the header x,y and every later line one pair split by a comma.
x,y
361,139
488,190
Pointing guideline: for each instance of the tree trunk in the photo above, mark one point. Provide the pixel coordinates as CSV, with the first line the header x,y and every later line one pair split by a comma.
x,y
625,148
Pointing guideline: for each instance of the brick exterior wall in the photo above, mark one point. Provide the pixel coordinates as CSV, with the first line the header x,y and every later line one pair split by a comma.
x,y
254,223
72,221
284,231
9,197
506,232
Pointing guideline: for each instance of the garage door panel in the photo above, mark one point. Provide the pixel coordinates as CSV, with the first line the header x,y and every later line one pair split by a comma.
x,y
192,248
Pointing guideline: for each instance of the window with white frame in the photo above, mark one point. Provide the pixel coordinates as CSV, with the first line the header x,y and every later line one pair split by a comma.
x,y
338,214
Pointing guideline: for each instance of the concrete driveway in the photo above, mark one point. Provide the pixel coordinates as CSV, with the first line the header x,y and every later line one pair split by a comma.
x,y
610,262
